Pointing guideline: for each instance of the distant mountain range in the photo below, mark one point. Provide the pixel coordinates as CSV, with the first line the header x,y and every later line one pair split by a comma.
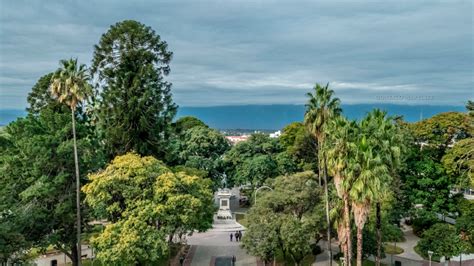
x,y
274,117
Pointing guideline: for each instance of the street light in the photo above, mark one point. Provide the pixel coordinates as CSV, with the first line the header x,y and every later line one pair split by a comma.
x,y
258,190
430,253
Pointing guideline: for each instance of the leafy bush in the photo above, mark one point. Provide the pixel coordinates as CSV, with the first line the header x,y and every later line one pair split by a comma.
x,y
423,221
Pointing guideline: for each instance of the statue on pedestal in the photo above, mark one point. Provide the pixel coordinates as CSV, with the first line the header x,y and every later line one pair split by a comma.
x,y
223,197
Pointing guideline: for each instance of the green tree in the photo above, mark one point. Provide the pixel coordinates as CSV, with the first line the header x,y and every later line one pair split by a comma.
x,y
286,218
286,165
187,122
321,108
443,240
146,203
465,223
262,235
443,129
70,85
299,143
135,105
202,148
242,159
425,182
340,145
37,184
386,141
40,96
459,162
256,170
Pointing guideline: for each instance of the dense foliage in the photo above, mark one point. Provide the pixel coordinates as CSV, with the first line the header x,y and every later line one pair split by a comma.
x,y
288,218
37,187
145,203
135,108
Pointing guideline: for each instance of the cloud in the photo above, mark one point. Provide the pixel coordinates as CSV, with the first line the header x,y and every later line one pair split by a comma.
x,y
244,52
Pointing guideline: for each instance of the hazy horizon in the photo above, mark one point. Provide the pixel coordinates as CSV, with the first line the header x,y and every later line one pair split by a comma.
x,y
276,116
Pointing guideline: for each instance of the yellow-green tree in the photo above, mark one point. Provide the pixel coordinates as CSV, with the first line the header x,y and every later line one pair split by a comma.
x,y
459,161
145,202
70,85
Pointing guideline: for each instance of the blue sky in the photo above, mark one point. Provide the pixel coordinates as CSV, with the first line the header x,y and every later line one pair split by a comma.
x,y
260,52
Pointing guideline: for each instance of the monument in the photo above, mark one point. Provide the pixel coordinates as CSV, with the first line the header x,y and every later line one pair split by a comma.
x,y
224,221
223,197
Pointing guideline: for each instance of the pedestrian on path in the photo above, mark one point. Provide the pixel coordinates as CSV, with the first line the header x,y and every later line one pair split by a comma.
x,y
231,236
236,236
233,260
181,260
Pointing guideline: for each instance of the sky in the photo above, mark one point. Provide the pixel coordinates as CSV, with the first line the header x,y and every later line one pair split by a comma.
x,y
259,52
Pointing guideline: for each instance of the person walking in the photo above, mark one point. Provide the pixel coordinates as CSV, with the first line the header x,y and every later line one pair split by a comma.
x,y
236,236
181,260
233,260
232,236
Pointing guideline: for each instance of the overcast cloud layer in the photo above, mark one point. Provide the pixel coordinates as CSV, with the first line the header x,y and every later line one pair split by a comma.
x,y
260,52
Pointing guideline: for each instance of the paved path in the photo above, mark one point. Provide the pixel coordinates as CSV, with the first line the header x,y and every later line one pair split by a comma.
x,y
409,244
211,244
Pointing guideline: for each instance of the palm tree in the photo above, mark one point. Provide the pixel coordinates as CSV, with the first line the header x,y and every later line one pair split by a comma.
x,y
386,141
320,109
70,85
376,157
338,146
367,172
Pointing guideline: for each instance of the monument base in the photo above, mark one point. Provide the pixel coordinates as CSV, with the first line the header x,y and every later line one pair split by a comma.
x,y
224,215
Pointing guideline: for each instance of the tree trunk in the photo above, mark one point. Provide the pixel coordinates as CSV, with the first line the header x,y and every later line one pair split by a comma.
x,y
73,255
326,195
359,245
379,233
347,221
78,190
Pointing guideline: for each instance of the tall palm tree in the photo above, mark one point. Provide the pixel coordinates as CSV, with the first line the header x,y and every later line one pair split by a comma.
x,y
377,153
338,146
320,109
367,172
70,85
386,140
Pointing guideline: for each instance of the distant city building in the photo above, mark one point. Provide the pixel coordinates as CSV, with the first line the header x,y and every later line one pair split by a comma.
x,y
236,139
275,134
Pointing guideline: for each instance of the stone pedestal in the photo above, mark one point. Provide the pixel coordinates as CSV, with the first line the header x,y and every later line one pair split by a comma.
x,y
223,197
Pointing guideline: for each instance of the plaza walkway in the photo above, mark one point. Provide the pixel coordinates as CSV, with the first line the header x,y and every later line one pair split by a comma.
x,y
212,244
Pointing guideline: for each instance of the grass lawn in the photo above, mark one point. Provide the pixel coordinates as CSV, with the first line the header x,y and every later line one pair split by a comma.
x,y
240,218
391,249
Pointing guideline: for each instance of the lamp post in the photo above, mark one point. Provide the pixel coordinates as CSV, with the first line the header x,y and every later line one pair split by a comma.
x,y
391,259
259,189
430,253
395,244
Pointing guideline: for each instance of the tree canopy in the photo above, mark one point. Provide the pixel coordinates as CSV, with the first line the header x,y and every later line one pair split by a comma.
x,y
37,182
444,128
288,218
443,240
146,202
459,162
135,107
